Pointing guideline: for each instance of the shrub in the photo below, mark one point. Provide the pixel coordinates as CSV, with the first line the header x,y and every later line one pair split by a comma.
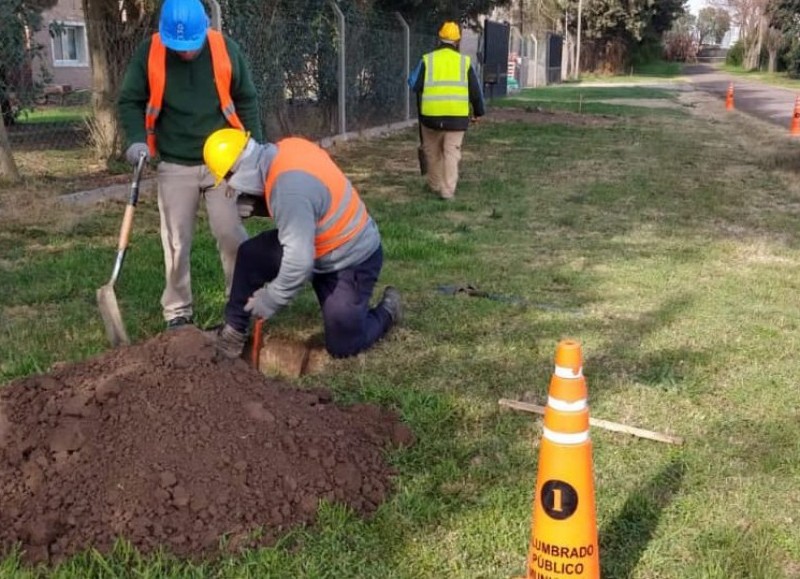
x,y
735,56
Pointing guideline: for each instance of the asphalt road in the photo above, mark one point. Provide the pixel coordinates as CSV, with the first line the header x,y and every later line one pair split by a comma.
x,y
770,103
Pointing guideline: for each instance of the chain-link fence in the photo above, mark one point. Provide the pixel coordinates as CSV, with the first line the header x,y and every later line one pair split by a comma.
x,y
317,75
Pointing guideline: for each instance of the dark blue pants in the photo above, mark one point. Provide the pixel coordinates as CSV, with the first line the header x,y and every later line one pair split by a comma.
x,y
350,325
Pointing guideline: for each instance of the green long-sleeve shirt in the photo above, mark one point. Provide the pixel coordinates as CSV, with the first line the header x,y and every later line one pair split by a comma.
x,y
191,110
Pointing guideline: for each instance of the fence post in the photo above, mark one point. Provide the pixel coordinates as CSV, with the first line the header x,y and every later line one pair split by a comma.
x,y
216,15
578,44
406,66
341,69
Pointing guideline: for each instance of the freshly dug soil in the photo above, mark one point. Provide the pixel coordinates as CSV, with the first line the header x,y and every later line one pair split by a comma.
x,y
158,444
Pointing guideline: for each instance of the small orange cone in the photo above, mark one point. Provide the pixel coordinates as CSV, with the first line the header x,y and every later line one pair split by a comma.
x,y
794,129
729,98
564,528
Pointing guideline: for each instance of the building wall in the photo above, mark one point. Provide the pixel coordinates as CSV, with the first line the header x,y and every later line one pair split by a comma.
x,y
65,67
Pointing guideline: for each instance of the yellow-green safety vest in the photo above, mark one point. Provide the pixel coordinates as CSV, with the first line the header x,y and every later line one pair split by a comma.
x,y
446,89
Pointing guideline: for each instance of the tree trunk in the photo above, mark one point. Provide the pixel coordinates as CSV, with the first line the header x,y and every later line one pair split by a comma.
x,y
112,40
773,58
99,33
8,169
753,54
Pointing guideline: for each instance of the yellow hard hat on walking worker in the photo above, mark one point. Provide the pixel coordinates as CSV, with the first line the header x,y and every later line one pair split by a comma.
x,y
221,150
450,32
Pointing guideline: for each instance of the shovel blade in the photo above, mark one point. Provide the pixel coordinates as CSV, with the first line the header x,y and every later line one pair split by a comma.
x,y
423,161
112,318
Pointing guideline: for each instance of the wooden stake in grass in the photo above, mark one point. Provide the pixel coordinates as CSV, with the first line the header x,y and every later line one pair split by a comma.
x,y
605,424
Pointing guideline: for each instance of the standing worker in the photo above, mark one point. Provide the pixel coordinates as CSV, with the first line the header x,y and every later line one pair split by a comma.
x,y
181,85
447,86
323,234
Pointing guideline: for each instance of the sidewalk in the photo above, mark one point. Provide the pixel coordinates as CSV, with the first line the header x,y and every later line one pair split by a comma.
x,y
770,103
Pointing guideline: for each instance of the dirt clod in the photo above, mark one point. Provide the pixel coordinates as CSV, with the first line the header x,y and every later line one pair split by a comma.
x,y
182,456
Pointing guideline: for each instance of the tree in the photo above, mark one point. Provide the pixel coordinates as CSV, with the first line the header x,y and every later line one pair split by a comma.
x,y
436,11
784,15
19,19
620,30
712,24
751,17
722,24
8,168
680,43
113,29
773,42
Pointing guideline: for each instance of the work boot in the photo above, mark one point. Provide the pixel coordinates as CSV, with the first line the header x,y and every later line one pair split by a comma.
x,y
391,303
179,322
230,343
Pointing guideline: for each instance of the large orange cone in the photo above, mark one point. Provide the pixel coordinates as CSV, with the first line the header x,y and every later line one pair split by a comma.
x,y
564,528
794,129
729,98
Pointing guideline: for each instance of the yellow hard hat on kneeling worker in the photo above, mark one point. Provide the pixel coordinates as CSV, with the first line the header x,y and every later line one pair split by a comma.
x,y
450,32
221,150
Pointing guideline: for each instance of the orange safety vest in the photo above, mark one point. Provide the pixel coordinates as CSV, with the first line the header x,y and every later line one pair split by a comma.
x,y
157,81
347,214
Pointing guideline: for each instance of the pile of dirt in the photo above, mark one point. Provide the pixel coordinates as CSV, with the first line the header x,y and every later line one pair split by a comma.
x,y
158,444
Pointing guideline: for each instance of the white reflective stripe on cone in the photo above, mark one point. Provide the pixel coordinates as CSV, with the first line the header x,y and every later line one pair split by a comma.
x,y
565,406
564,372
561,438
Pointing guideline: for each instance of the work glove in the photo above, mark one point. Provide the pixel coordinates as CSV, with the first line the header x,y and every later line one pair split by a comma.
x,y
133,152
259,304
250,206
245,204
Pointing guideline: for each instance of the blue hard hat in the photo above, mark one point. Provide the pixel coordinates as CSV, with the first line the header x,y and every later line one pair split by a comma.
x,y
183,25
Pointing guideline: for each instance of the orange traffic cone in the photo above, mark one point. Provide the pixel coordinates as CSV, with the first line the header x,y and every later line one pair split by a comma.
x,y
729,98
564,528
794,129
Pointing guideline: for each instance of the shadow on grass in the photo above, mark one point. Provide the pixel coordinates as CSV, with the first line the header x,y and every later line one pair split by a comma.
x,y
739,553
770,447
667,369
626,537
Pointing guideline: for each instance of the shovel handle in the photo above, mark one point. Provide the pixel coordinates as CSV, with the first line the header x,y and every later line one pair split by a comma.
x,y
258,334
133,199
127,219
125,230
137,177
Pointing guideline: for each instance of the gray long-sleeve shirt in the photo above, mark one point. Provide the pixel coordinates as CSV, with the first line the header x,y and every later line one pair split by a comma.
x,y
298,201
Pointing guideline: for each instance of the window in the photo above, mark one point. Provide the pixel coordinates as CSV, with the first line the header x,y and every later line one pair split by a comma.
x,y
69,44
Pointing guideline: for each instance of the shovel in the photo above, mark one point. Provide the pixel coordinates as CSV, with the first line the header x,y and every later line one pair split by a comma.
x,y
106,298
423,162
258,337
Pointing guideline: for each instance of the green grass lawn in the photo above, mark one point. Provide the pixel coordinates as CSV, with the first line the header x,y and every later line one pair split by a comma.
x,y
596,100
667,247
774,78
54,114
657,71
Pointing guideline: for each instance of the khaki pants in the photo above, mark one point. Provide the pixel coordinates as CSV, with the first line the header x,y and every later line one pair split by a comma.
x,y
443,153
179,191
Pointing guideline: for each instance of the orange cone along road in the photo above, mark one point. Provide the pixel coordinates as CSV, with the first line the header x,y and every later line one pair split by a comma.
x,y
794,128
729,98
564,528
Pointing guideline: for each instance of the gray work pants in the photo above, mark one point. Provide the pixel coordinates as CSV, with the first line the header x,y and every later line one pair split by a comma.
x,y
179,191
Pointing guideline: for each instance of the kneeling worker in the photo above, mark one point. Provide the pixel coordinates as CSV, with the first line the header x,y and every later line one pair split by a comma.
x,y
323,233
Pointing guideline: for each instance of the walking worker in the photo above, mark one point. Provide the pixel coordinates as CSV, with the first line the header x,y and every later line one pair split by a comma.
x,y
182,84
323,233
447,87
